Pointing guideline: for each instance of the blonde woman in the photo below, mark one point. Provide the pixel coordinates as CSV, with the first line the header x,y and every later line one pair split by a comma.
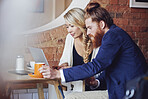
x,y
77,42
78,47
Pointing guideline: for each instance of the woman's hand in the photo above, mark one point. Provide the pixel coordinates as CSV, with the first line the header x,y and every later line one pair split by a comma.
x,y
49,72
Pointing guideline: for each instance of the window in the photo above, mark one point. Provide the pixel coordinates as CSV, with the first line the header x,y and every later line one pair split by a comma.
x,y
139,3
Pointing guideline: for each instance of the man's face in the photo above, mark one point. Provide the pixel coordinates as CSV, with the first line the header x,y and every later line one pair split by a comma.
x,y
94,32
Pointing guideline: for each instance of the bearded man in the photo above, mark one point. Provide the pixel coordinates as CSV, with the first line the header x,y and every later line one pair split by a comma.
x,y
119,57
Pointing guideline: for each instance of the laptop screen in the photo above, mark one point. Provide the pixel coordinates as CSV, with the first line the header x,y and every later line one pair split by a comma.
x,y
38,55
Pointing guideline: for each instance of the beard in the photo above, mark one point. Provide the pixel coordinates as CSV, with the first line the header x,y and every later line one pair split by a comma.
x,y
97,38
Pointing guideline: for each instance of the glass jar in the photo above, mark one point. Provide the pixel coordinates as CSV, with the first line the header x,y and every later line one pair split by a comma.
x,y
20,62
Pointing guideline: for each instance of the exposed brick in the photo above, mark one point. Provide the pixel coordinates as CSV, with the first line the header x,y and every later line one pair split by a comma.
x,y
143,29
123,9
104,1
101,1
52,50
136,15
143,15
57,57
53,63
129,28
60,50
143,41
53,34
53,43
62,31
146,22
60,41
112,8
119,15
123,2
121,21
113,1
108,8
141,35
136,28
138,22
138,10
147,15
47,35
49,56
56,33
127,15
112,15
132,15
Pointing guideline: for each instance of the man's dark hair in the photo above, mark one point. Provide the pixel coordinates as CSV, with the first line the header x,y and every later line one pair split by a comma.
x,y
98,13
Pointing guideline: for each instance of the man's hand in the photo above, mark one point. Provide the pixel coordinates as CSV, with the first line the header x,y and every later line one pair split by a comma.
x,y
91,81
49,72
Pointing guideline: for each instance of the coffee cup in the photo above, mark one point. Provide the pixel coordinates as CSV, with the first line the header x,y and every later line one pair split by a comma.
x,y
36,69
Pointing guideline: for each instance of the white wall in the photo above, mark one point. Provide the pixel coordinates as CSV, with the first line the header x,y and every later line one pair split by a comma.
x,y
52,9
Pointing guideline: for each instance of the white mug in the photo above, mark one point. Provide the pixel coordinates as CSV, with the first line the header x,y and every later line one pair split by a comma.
x,y
32,63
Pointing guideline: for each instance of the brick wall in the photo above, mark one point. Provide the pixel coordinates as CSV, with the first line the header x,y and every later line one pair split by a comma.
x,y
132,20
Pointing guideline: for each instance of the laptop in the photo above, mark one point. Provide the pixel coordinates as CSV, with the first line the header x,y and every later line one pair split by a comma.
x,y
38,55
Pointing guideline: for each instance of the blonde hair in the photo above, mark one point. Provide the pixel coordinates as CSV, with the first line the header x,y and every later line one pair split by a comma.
x,y
75,16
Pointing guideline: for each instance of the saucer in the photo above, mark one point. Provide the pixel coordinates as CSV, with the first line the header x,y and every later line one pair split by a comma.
x,y
34,76
30,68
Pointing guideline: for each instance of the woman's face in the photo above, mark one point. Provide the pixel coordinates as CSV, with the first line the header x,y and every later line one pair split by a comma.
x,y
73,30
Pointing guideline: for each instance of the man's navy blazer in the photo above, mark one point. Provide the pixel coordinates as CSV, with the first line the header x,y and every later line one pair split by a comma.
x,y
119,57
